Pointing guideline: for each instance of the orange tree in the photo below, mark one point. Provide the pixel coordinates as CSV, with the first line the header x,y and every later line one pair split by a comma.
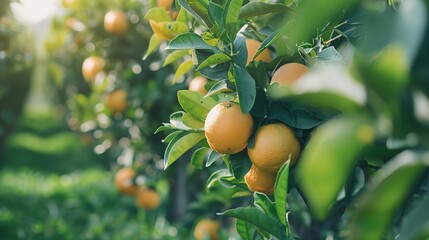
x,y
337,146
15,68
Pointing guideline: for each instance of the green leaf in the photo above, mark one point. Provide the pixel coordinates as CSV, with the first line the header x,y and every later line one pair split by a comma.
x,y
195,103
164,127
189,41
388,191
214,178
230,17
175,56
171,136
246,88
215,59
198,156
179,145
219,72
176,120
213,156
332,151
256,217
198,9
240,164
153,45
158,14
280,192
263,202
240,51
219,87
244,229
183,68
192,122
253,9
215,13
417,224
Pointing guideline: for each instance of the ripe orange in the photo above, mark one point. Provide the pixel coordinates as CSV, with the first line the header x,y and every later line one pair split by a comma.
x,y
227,129
117,101
258,180
273,145
91,67
289,73
124,181
197,84
207,229
252,46
166,4
115,22
147,198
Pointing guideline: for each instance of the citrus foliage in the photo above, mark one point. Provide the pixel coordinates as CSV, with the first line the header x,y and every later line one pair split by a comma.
x,y
346,99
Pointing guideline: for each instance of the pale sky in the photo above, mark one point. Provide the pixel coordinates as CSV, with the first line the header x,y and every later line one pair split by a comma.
x,y
33,11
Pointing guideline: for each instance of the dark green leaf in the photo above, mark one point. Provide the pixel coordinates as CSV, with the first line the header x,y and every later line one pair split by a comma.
x,y
213,156
198,9
230,17
417,224
240,164
244,229
256,217
215,13
246,88
189,41
240,51
215,59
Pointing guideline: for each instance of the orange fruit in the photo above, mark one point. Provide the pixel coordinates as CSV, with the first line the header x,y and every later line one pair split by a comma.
x,y
91,67
115,22
207,229
273,145
258,180
147,198
288,73
117,101
252,46
166,4
227,129
197,84
124,181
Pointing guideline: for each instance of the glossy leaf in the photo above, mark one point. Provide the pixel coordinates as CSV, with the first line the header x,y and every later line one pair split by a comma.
x,y
240,51
246,88
183,69
179,145
240,164
215,13
219,87
189,41
213,157
215,59
230,17
197,159
257,218
389,189
332,151
263,202
195,103
280,192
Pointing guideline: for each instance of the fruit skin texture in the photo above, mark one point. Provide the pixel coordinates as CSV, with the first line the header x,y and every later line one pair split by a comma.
x,y
91,67
207,227
166,4
147,198
288,73
197,84
273,144
227,129
123,181
252,46
115,22
258,180
116,101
